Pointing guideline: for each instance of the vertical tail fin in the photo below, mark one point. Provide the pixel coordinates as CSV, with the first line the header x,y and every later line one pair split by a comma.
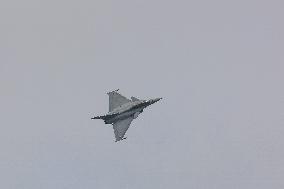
x,y
116,99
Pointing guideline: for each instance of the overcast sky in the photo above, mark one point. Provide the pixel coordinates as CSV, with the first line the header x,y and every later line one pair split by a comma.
x,y
219,66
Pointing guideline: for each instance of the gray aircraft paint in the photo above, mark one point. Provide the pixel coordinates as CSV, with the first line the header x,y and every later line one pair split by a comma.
x,y
217,64
122,111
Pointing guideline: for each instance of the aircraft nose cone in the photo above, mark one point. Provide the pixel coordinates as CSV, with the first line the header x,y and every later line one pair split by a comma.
x,y
155,100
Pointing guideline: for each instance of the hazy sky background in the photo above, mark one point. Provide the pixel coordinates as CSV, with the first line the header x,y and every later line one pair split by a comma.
x,y
219,66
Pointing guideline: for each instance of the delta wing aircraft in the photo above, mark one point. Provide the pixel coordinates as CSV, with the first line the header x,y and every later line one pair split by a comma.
x,y
122,111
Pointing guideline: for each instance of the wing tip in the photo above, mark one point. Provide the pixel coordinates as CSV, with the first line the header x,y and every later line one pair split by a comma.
x,y
120,139
112,91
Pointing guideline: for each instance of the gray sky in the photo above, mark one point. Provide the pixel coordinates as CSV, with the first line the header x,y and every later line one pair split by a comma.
x,y
217,64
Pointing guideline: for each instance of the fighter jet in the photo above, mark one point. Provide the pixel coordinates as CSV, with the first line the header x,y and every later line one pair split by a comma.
x,y
122,111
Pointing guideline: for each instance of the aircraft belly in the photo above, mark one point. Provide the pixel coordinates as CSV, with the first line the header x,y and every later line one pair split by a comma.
x,y
126,114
